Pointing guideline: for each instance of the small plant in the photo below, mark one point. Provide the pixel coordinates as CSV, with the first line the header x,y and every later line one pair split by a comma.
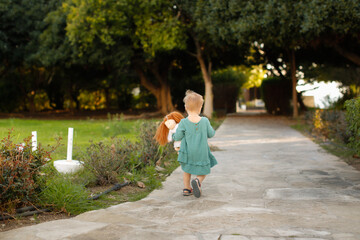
x,y
61,194
110,162
107,161
20,172
330,124
336,125
150,151
320,126
353,120
152,180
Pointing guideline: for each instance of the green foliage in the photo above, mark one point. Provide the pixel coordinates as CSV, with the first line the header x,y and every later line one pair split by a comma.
x,y
107,161
20,169
62,194
150,25
152,180
110,161
329,124
149,150
49,130
20,74
328,128
322,16
229,75
116,126
68,46
10,98
276,93
83,176
227,84
353,120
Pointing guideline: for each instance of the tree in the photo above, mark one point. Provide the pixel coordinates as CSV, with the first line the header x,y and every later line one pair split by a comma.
x,y
212,38
333,23
139,30
21,25
277,25
79,66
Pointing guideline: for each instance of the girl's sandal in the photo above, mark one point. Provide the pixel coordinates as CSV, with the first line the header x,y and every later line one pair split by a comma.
x,y
196,185
187,192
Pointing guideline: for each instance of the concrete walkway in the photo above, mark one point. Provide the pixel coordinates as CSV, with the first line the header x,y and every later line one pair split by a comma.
x,y
271,183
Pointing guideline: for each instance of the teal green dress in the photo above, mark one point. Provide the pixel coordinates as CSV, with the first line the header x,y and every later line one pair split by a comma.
x,y
194,155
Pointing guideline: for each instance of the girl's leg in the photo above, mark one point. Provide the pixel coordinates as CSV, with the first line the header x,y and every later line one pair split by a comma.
x,y
186,179
201,178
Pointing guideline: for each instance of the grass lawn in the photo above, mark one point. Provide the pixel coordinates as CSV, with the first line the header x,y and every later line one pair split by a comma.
x,y
84,131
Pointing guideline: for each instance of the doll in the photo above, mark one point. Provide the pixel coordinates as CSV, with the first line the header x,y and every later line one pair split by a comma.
x,y
167,127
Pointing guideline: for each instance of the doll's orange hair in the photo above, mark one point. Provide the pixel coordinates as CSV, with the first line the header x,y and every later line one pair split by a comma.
x,y
162,131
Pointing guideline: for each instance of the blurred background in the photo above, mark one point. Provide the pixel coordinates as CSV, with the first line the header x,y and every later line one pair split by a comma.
x,y
83,58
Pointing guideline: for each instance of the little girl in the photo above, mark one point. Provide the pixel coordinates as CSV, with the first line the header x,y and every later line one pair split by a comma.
x,y
194,155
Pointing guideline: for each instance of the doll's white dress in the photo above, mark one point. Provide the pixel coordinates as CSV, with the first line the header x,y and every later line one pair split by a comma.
x,y
170,139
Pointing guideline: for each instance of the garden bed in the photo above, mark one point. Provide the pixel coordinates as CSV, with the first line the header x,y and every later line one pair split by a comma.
x,y
144,166
330,129
126,194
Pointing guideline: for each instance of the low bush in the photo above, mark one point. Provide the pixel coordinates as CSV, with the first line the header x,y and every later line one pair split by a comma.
x,y
112,161
227,83
20,172
150,152
276,93
353,120
330,124
107,161
62,194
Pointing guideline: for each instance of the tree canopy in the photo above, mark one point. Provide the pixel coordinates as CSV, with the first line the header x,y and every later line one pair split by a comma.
x,y
57,51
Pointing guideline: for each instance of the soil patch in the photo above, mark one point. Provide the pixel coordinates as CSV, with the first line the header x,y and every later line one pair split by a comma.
x,y
31,220
113,198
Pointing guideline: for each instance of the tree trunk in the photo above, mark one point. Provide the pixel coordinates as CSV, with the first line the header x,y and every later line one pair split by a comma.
x,y
294,83
31,99
206,74
107,98
165,96
162,93
74,93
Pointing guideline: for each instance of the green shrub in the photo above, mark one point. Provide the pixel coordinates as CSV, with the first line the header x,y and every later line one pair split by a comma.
x,y
106,161
84,177
336,125
330,124
61,194
353,120
20,172
276,93
227,83
149,151
109,162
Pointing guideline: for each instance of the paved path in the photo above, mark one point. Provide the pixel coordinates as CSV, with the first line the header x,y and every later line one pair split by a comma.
x,y
271,183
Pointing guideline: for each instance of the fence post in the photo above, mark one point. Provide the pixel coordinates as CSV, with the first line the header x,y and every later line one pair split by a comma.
x,y
34,141
70,144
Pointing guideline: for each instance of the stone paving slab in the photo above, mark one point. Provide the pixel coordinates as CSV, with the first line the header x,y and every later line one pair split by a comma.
x,y
271,183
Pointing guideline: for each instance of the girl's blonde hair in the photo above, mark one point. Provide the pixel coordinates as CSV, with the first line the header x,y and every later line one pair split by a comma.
x,y
193,101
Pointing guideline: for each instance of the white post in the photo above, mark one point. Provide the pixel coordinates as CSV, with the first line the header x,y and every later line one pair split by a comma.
x,y
34,141
70,144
